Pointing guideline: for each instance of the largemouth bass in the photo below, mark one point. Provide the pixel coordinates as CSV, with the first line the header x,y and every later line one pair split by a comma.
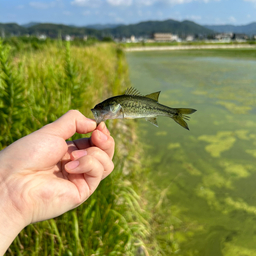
x,y
134,105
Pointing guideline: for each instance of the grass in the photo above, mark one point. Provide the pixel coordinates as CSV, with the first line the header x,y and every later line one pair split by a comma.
x,y
37,86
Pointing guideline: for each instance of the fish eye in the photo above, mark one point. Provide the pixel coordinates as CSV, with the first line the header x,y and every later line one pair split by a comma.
x,y
99,106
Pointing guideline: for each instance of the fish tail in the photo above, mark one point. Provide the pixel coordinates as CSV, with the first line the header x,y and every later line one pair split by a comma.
x,y
181,115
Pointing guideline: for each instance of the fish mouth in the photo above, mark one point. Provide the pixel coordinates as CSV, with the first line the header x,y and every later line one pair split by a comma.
x,y
97,115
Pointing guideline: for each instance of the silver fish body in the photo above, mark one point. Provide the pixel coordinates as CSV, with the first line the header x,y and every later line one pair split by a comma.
x,y
133,105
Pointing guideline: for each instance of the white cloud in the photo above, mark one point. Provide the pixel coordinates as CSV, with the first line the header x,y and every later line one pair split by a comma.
x,y
174,2
88,3
169,2
232,19
120,2
251,1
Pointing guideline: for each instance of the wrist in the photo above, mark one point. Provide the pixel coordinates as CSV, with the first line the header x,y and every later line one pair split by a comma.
x,y
11,221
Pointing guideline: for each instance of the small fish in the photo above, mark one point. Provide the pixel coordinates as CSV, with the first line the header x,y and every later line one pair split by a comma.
x,y
133,105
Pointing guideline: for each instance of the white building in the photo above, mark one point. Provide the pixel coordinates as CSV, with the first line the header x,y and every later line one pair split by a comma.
x,y
165,37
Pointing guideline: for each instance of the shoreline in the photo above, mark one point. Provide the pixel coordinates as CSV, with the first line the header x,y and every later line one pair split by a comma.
x,y
188,47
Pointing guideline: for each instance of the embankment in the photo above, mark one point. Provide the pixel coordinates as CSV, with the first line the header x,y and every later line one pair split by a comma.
x,y
189,47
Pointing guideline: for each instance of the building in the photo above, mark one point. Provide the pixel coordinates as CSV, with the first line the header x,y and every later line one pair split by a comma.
x,y
223,37
240,37
42,37
165,37
189,38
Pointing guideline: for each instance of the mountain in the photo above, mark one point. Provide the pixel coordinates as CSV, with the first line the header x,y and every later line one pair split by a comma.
x,y
147,28
249,29
103,26
12,29
52,30
30,24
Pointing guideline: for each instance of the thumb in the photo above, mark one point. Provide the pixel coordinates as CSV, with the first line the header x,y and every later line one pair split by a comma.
x,y
70,123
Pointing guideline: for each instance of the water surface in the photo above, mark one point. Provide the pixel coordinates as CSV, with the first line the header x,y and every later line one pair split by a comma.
x,y
205,178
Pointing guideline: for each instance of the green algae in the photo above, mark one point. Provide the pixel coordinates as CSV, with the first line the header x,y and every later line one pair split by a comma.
x,y
218,143
209,172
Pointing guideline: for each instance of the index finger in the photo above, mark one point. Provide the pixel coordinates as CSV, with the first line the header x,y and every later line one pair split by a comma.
x,y
100,138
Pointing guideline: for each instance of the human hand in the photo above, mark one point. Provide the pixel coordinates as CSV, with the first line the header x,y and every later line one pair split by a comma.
x,y
42,176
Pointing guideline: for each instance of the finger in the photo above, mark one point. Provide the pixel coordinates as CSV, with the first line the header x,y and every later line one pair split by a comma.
x,y
98,139
76,154
86,142
97,153
103,128
90,169
103,141
103,158
70,123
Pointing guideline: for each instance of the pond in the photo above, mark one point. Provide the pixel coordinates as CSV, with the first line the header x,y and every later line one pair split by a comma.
x,y
205,178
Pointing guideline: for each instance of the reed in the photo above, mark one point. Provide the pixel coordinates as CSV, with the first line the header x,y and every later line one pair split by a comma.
x,y
37,86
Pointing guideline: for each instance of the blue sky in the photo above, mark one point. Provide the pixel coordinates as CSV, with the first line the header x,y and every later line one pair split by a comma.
x,y
84,12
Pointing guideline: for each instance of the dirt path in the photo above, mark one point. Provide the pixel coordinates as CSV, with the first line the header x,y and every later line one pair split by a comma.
x,y
189,47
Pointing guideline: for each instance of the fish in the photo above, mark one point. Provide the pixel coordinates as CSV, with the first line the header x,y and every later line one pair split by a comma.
x,y
132,104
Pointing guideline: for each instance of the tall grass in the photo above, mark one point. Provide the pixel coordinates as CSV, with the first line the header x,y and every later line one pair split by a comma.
x,y
36,88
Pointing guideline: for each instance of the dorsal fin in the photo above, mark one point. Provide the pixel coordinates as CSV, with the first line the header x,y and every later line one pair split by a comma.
x,y
132,91
153,96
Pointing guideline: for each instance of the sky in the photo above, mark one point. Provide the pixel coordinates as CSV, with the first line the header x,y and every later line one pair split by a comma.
x,y
86,12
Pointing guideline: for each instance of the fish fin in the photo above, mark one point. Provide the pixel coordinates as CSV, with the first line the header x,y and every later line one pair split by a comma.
x,y
186,110
132,92
153,96
179,116
178,119
152,120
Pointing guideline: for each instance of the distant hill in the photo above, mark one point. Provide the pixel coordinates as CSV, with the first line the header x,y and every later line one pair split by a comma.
x,y
12,29
249,29
103,26
52,30
30,24
147,28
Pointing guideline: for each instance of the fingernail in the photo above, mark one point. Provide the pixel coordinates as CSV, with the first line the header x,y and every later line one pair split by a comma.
x,y
72,165
79,153
101,126
104,128
103,136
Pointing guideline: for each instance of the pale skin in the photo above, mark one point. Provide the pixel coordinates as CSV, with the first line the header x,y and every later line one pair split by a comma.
x,y
43,176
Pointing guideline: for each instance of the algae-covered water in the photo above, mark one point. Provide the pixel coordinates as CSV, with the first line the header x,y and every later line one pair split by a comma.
x,y
205,178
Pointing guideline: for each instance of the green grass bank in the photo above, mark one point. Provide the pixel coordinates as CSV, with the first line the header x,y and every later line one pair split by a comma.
x,y
38,85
